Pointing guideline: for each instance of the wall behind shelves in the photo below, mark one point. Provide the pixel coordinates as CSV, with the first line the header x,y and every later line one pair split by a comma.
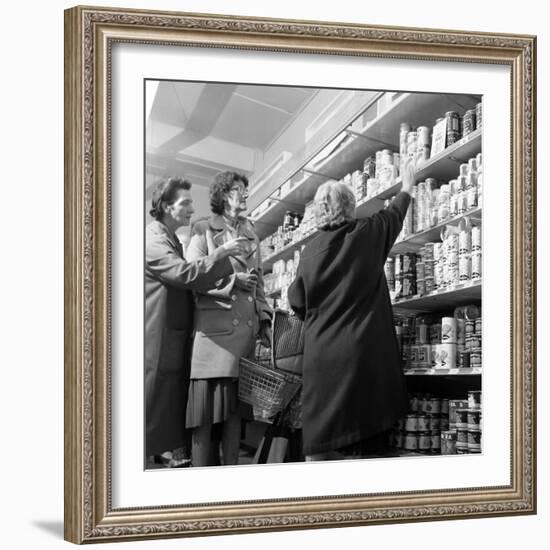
x,y
32,409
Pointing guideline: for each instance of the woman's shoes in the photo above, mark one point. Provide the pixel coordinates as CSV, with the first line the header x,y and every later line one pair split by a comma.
x,y
175,459
183,463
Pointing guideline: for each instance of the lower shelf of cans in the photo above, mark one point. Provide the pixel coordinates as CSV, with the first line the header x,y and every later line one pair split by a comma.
x,y
470,291
444,372
436,426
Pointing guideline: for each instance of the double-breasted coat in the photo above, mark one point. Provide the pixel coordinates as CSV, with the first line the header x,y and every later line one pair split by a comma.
x,y
227,318
169,280
353,385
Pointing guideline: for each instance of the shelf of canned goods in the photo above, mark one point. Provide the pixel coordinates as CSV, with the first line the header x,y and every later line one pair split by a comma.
x,y
434,271
353,145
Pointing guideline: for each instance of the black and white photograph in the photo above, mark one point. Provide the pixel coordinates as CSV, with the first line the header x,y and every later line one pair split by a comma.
x,y
313,274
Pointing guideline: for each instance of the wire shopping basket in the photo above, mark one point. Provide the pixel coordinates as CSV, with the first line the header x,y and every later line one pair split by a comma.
x,y
269,388
268,391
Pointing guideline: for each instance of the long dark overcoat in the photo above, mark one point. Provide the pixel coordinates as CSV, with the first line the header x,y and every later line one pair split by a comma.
x,y
353,385
169,280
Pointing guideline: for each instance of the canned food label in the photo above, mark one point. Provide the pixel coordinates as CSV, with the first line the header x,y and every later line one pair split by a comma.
x,y
447,358
411,423
423,423
474,437
409,261
476,238
426,356
449,330
464,360
424,441
478,325
464,242
465,268
474,399
411,442
461,419
434,422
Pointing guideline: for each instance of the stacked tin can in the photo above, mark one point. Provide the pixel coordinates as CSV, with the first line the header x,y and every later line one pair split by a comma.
x,y
464,434
469,251
474,421
445,350
469,336
404,130
405,333
453,127
418,354
420,429
479,159
468,122
292,230
412,141
438,266
423,145
465,192
446,260
479,115
405,275
425,269
473,342
379,173
440,342
358,185
425,192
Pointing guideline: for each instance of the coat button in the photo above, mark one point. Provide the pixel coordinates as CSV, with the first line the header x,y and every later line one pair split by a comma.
x,y
250,298
234,297
235,322
249,323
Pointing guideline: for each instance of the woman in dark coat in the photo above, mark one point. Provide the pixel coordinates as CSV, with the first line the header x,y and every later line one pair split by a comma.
x,y
353,385
169,279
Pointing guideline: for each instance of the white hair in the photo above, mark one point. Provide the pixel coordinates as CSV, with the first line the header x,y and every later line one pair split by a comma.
x,y
333,205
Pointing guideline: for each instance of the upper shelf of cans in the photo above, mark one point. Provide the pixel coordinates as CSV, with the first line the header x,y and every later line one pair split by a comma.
x,y
351,148
438,203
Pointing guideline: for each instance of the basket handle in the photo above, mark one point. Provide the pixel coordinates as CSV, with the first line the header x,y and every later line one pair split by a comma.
x,y
259,345
276,311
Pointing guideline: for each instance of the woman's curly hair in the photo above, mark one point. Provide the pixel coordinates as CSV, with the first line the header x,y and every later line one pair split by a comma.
x,y
166,192
333,205
222,184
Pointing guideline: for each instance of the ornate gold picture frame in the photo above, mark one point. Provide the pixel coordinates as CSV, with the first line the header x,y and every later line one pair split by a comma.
x,y
90,35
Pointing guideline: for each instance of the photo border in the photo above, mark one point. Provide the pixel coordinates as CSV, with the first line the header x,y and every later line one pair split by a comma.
x,y
89,36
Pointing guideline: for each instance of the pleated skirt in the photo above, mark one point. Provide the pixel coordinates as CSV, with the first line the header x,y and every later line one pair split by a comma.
x,y
211,400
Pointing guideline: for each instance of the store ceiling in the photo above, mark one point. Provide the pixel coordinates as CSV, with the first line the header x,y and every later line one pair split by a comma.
x,y
196,129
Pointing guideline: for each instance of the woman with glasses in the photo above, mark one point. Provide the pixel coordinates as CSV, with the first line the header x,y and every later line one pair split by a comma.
x,y
227,321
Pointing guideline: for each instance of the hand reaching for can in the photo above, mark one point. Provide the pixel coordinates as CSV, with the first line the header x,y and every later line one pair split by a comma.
x,y
408,178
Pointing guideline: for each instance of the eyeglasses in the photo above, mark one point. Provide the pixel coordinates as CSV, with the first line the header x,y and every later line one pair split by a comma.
x,y
240,188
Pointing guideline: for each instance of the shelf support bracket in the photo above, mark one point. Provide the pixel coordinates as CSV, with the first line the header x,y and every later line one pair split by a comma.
x,y
367,138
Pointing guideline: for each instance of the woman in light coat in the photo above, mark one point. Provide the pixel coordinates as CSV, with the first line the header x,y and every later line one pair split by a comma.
x,y
228,320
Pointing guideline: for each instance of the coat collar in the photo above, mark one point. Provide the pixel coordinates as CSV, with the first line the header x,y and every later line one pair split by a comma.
x,y
217,223
158,228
